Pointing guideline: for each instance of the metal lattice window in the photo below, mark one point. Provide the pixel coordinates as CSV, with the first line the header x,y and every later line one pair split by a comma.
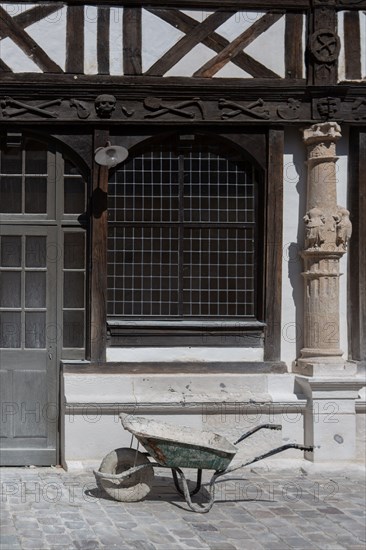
x,y
182,234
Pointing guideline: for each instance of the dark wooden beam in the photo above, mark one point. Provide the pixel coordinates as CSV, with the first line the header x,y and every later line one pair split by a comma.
x,y
103,24
323,70
29,17
357,246
4,67
75,40
215,42
294,55
209,4
8,27
233,48
273,269
98,273
132,64
188,42
352,45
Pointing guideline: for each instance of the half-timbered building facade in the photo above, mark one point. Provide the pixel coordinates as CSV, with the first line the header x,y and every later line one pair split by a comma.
x,y
200,276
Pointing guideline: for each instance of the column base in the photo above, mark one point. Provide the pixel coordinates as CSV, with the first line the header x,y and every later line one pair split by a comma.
x,y
330,415
324,366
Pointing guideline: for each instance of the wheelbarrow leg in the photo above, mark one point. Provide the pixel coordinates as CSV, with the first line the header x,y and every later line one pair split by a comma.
x,y
187,495
195,490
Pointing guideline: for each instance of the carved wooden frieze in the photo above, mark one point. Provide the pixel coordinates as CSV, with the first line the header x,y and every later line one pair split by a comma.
x,y
11,108
108,108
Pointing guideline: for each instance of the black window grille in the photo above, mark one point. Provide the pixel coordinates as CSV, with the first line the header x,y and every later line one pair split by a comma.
x,y
183,233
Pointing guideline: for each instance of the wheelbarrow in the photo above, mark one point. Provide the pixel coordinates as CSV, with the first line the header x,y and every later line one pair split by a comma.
x,y
126,474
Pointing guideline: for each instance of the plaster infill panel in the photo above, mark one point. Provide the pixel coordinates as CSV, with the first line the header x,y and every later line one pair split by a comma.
x,y
294,205
183,355
177,390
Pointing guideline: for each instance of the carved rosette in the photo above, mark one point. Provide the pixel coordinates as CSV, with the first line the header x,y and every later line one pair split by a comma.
x,y
327,232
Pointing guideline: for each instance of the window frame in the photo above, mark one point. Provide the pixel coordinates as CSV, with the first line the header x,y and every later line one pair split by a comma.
x,y
219,331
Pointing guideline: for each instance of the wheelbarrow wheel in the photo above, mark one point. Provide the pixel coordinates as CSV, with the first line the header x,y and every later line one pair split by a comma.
x,y
134,487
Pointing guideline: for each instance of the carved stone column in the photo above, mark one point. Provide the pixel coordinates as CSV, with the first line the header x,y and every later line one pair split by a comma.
x,y
328,229
327,380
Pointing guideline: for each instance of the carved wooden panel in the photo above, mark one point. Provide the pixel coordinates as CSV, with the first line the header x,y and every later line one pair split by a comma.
x,y
86,39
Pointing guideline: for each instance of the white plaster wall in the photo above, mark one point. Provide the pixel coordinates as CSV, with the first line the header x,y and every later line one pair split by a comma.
x,y
157,38
183,354
341,58
49,33
115,41
294,205
229,404
90,40
363,43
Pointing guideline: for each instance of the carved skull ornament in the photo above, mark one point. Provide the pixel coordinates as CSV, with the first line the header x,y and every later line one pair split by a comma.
x,y
105,104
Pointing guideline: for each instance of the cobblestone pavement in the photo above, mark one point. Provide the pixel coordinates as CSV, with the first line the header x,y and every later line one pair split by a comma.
x,y
44,508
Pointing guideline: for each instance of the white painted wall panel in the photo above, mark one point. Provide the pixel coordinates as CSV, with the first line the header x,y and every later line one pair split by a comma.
x,y
16,9
294,207
115,42
341,59
269,48
16,59
198,15
90,40
50,34
157,38
137,355
238,23
230,70
363,42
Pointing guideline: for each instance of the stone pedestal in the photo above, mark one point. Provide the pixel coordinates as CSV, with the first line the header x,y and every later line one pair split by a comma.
x,y
327,380
330,417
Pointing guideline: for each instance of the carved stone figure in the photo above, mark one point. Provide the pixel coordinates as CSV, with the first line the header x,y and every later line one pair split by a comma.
x,y
105,104
315,221
328,107
343,227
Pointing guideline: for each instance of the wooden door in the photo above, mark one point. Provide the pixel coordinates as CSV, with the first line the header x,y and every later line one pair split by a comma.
x,y
28,342
42,294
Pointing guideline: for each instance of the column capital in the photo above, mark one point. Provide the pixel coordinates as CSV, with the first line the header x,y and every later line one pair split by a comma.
x,y
322,131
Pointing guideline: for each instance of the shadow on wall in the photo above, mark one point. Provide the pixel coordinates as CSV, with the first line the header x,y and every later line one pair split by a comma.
x,y
295,147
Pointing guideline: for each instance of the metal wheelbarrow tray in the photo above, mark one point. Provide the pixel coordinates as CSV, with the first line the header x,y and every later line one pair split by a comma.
x,y
127,474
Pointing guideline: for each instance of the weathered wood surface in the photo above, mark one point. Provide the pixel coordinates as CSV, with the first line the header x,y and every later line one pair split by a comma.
x,y
273,245
9,28
98,275
293,45
103,25
132,37
233,48
75,40
29,17
188,42
215,42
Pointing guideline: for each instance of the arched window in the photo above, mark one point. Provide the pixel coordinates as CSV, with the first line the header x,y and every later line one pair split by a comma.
x,y
184,216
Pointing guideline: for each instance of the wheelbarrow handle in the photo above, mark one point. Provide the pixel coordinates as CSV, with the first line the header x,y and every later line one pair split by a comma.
x,y
253,430
308,449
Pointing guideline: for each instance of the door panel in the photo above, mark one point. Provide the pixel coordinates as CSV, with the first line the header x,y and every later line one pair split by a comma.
x,y
28,359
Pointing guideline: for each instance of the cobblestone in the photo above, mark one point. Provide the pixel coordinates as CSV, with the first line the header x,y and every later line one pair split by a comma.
x,y
44,509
